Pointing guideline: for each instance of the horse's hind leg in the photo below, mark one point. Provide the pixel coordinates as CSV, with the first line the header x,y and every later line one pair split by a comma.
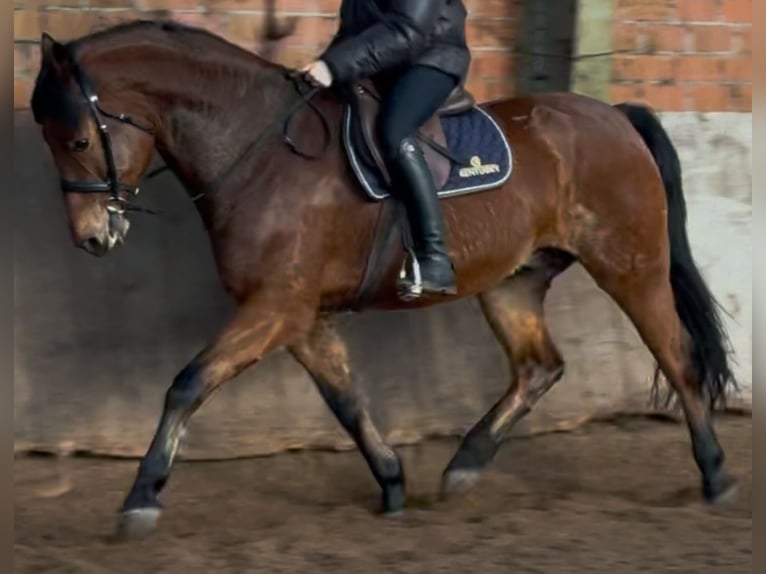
x,y
323,354
648,300
514,311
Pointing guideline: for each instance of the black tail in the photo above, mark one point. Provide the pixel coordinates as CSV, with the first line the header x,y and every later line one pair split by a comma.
x,y
696,306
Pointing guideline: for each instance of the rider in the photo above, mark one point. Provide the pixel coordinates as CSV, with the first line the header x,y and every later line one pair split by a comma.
x,y
416,54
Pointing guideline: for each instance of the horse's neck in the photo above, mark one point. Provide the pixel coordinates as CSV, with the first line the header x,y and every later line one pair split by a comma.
x,y
205,112
211,120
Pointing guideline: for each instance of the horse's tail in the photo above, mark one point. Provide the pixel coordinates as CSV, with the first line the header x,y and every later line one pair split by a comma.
x,y
696,306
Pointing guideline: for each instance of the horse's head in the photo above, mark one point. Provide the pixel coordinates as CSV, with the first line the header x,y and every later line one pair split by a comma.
x,y
100,152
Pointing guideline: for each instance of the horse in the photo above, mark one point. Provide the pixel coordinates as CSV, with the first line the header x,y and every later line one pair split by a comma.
x,y
300,237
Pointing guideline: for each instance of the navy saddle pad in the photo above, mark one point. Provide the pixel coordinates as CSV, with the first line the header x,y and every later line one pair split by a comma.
x,y
473,136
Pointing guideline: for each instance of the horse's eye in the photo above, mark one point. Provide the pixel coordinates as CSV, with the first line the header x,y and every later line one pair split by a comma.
x,y
81,145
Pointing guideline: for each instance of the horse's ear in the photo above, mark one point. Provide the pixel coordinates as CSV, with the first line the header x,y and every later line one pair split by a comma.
x,y
53,53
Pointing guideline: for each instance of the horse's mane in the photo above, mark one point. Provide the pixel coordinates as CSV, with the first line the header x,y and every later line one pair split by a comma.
x,y
50,98
165,32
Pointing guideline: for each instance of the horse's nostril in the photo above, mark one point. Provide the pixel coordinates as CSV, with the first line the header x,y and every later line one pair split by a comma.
x,y
93,246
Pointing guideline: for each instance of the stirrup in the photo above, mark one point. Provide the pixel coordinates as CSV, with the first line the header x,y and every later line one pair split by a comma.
x,y
407,290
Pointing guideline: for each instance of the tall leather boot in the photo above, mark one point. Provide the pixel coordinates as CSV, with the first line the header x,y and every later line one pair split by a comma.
x,y
432,272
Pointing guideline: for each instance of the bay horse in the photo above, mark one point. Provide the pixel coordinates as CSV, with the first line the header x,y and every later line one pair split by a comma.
x,y
298,238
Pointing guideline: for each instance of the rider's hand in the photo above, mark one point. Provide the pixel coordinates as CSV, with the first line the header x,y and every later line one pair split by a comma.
x,y
318,73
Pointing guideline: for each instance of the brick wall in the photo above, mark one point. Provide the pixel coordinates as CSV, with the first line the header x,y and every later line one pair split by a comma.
x,y
491,31
683,54
673,54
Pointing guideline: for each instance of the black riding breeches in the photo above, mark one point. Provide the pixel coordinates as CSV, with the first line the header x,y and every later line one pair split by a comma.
x,y
409,98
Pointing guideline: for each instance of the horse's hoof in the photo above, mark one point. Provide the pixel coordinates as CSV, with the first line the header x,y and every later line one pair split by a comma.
x,y
459,481
138,523
725,493
393,500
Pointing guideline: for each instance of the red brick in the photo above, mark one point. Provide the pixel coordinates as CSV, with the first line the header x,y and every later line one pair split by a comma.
x,y
711,38
311,31
113,18
215,23
111,3
496,34
476,89
739,68
327,6
20,60
67,25
742,40
26,59
643,67
497,90
246,30
649,37
493,65
700,68
626,36
22,92
294,56
26,25
48,3
670,98
660,97
286,6
663,38
159,4
492,8
738,11
489,91
661,10
625,93
219,6
741,98
711,97
698,10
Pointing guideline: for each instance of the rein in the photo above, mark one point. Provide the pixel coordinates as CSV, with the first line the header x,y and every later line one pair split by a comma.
x,y
296,78
118,204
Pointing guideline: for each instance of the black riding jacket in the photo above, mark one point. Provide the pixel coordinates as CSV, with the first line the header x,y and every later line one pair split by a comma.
x,y
377,35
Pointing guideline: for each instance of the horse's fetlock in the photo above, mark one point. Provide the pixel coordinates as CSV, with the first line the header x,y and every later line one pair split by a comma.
x,y
391,467
187,388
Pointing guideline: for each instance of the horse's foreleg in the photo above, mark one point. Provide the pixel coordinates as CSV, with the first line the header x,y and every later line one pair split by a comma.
x,y
252,332
514,311
323,354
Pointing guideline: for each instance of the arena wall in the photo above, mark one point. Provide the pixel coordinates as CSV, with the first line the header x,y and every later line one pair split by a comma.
x,y
98,341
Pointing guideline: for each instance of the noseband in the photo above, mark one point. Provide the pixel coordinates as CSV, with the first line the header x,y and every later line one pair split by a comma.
x,y
117,202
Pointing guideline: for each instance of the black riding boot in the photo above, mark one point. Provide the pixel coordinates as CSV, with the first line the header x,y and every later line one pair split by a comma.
x,y
415,187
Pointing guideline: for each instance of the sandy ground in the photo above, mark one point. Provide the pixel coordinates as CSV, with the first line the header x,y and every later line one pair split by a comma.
x,y
611,498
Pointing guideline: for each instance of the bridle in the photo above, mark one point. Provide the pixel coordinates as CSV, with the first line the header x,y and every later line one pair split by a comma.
x,y
117,203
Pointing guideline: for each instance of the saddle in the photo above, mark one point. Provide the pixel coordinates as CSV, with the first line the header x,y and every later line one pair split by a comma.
x,y
465,149
365,107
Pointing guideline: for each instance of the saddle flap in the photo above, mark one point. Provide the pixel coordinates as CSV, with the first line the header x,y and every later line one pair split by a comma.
x,y
366,107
